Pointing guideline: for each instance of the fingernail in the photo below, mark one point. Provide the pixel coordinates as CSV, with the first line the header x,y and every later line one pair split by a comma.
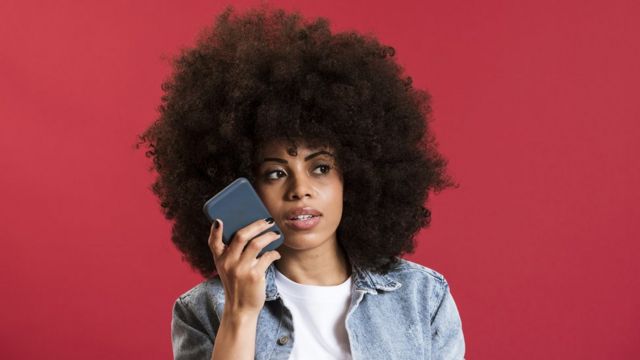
x,y
269,220
216,224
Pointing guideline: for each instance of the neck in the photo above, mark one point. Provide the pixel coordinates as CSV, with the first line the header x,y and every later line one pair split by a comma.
x,y
324,266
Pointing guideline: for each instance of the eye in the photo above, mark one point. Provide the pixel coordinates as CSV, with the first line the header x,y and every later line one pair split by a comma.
x,y
268,174
323,166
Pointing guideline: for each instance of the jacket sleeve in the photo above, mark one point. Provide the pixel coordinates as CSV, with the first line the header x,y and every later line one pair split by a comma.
x,y
188,337
447,339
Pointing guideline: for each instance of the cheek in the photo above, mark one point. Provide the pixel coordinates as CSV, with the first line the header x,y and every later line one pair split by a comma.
x,y
266,198
268,202
337,198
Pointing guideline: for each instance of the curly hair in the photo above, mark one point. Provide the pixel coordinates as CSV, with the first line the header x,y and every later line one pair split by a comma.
x,y
267,74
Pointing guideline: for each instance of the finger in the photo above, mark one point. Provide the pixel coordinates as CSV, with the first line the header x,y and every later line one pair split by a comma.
x,y
266,259
215,239
242,236
256,245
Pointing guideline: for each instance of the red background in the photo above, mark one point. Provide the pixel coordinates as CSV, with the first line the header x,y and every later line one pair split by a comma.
x,y
536,107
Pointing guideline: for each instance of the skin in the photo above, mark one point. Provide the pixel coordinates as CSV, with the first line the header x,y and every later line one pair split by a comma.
x,y
287,178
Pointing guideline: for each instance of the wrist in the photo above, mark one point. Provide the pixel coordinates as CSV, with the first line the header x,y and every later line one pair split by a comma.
x,y
239,318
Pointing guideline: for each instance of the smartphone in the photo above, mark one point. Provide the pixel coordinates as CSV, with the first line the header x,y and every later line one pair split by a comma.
x,y
238,205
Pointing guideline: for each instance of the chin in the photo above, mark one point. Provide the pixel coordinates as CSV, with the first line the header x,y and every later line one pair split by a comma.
x,y
302,241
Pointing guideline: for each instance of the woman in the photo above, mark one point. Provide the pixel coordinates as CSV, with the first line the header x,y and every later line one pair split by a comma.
x,y
335,141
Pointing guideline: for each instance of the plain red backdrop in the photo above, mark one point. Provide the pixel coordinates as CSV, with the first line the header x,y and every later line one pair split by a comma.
x,y
536,106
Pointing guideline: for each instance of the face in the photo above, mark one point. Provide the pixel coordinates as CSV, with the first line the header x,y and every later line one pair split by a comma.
x,y
301,181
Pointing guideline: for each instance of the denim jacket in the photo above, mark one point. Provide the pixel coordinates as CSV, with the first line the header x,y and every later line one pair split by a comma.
x,y
408,313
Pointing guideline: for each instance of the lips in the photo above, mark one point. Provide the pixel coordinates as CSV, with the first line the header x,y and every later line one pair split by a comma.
x,y
302,211
302,224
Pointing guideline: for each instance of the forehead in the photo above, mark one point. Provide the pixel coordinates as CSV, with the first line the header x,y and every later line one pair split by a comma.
x,y
281,147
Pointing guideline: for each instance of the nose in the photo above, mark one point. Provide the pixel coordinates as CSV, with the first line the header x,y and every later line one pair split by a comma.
x,y
299,188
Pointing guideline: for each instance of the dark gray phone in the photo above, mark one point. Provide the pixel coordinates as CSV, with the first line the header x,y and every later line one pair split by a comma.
x,y
238,205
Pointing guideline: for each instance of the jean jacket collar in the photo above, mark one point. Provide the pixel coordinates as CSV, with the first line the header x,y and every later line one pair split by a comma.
x,y
363,280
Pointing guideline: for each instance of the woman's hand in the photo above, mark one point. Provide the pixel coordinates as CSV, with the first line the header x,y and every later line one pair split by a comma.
x,y
241,273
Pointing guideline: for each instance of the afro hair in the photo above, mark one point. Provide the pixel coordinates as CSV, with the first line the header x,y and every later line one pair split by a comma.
x,y
270,74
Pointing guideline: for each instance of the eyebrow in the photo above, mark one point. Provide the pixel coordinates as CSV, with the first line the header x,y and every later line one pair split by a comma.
x,y
307,158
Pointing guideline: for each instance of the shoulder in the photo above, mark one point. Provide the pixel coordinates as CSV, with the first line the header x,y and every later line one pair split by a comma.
x,y
419,282
195,320
428,291
408,270
205,291
204,301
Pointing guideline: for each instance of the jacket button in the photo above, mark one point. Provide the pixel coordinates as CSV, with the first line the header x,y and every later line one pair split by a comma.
x,y
283,340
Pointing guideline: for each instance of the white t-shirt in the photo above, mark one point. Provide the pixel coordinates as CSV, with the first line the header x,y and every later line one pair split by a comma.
x,y
319,314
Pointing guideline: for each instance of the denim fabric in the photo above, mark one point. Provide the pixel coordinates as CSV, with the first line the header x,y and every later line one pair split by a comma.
x,y
408,313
